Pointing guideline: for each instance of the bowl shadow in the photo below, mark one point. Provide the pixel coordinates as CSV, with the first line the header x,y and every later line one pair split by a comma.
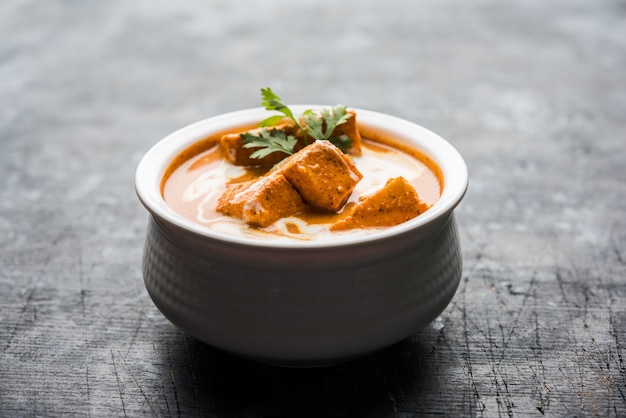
x,y
221,384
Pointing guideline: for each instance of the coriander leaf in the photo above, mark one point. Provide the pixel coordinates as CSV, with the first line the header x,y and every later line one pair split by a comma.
x,y
314,125
271,121
342,142
272,102
321,125
269,141
335,117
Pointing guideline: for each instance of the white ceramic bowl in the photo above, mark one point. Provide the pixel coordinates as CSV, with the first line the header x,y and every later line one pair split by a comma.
x,y
302,303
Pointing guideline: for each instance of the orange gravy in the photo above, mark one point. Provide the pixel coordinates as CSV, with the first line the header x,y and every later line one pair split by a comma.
x,y
198,176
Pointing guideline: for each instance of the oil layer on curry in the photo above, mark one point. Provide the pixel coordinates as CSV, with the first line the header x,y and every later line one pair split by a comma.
x,y
317,191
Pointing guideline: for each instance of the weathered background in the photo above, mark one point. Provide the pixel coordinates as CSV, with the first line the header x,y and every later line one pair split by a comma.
x,y
532,93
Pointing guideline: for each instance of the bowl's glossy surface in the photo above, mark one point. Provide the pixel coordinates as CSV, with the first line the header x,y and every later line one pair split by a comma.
x,y
302,303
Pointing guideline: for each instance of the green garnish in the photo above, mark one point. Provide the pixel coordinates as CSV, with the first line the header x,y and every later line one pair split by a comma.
x,y
329,119
269,142
317,125
343,142
272,102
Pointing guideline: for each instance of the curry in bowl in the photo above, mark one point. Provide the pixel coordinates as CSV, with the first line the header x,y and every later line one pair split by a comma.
x,y
301,177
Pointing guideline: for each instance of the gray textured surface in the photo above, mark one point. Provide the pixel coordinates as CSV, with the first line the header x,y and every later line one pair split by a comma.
x,y
533,94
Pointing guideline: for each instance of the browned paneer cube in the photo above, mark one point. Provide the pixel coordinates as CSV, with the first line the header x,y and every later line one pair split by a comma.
x,y
395,203
322,174
233,147
351,130
261,202
231,202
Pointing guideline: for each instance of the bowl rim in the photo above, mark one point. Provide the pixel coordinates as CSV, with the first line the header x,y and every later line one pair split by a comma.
x,y
152,166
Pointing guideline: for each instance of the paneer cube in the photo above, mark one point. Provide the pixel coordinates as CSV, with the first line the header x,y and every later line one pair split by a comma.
x,y
261,202
395,203
322,175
